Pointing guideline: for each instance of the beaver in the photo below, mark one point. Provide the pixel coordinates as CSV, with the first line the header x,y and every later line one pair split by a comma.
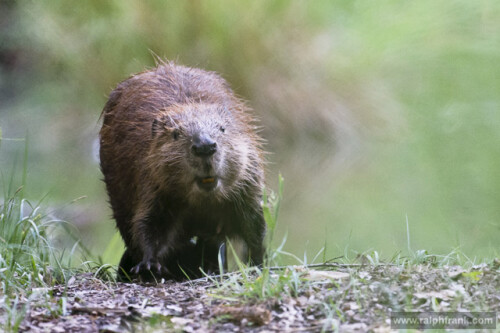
x,y
184,171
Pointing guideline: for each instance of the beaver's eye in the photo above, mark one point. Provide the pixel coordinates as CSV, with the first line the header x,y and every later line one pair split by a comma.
x,y
175,134
222,129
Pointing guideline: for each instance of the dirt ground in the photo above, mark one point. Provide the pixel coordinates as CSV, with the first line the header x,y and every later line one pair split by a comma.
x,y
348,298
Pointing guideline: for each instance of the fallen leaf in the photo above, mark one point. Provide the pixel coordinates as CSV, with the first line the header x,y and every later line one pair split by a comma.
x,y
259,315
445,294
456,273
473,276
181,321
314,275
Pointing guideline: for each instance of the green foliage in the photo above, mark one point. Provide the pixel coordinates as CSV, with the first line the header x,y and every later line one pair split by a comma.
x,y
257,284
114,250
27,257
374,110
263,284
270,207
31,258
268,282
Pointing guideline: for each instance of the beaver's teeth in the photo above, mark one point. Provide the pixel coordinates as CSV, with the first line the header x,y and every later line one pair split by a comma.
x,y
208,180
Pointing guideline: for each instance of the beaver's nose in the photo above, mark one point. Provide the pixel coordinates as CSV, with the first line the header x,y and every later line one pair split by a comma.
x,y
203,146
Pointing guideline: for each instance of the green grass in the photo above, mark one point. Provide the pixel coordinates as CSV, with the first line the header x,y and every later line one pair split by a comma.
x,y
31,261
28,258
368,278
37,251
272,282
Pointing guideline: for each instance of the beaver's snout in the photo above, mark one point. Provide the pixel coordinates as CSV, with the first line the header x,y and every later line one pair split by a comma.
x,y
203,146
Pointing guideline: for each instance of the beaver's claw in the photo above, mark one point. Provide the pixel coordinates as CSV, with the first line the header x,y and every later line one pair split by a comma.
x,y
149,265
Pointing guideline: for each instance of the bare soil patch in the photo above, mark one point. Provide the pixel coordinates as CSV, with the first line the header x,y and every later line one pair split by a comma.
x,y
346,297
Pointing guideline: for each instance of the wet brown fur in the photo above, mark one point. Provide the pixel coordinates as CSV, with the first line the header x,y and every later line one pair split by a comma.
x,y
149,123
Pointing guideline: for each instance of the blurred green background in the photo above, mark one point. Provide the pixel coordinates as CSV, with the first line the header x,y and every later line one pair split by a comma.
x,y
374,111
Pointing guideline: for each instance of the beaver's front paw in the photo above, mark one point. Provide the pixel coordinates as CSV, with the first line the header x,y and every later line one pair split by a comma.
x,y
149,265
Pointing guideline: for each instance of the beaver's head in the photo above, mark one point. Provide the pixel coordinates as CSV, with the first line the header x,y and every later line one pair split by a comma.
x,y
199,150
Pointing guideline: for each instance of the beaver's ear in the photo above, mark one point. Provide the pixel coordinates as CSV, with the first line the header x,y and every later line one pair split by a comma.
x,y
162,125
